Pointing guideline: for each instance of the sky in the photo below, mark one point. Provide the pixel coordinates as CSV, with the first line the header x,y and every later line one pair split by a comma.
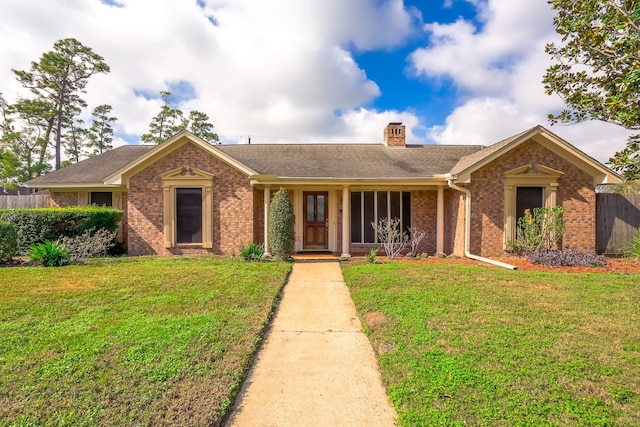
x,y
292,71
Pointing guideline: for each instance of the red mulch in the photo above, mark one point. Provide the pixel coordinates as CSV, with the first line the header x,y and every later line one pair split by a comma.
x,y
616,265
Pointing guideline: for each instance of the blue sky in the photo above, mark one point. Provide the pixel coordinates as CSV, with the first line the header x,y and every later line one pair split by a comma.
x,y
454,71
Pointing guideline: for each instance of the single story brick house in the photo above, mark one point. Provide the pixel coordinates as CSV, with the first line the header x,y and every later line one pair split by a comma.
x,y
188,196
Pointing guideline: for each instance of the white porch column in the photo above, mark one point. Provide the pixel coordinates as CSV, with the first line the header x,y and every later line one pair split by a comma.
x,y
267,203
440,221
346,222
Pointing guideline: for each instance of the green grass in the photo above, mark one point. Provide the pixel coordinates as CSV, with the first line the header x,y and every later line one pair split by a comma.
x,y
486,346
131,341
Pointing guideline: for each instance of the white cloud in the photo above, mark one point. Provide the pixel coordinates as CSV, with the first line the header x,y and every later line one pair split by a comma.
x,y
497,65
265,68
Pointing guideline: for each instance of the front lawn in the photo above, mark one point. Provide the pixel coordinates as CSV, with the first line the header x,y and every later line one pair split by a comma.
x,y
131,341
472,345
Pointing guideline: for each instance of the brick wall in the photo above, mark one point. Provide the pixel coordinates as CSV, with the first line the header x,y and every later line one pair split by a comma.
x,y
63,199
454,222
424,205
575,192
258,216
233,205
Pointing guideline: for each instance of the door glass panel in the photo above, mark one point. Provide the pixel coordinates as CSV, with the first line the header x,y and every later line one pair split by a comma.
x,y
320,207
310,208
188,215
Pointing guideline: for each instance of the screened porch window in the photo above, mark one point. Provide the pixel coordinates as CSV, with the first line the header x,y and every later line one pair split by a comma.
x,y
101,198
188,215
371,206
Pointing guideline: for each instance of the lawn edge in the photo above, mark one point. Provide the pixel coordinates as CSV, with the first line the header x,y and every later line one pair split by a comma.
x,y
239,383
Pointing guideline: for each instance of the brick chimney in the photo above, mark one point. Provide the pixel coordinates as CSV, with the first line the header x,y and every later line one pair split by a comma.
x,y
394,135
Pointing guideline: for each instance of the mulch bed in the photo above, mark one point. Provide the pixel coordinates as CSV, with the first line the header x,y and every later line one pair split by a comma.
x,y
615,265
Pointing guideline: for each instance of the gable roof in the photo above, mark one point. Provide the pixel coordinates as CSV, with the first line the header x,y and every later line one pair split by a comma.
x,y
474,161
91,171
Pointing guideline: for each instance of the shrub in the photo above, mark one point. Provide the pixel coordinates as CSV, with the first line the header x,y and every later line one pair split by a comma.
x,y
567,258
538,230
631,249
416,237
252,252
49,254
37,225
90,244
8,241
281,225
371,256
392,238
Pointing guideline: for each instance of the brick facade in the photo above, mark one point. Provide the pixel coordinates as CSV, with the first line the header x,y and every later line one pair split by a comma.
x,y
238,208
233,205
423,217
575,192
63,199
454,222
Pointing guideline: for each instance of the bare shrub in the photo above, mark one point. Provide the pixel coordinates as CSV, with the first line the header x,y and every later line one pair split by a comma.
x,y
393,239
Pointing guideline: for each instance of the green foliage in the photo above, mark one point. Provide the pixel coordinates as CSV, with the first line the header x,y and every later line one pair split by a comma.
x,y
37,225
371,255
252,252
49,254
56,81
8,241
281,225
538,231
596,71
100,134
171,120
632,248
199,125
90,244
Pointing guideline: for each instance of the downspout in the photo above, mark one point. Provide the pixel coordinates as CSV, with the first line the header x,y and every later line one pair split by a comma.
x,y
467,223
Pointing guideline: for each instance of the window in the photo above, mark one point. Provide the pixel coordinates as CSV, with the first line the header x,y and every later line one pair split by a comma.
x,y
527,187
101,198
188,207
371,206
188,215
528,198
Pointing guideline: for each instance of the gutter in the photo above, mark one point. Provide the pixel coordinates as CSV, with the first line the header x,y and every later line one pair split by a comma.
x,y
467,221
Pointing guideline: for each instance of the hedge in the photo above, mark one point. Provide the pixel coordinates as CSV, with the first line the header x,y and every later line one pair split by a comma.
x,y
8,241
40,224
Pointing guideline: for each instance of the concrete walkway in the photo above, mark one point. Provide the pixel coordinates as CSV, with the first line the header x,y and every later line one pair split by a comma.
x,y
316,367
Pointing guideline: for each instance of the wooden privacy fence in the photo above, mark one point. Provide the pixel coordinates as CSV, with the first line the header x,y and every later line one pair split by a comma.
x,y
26,201
617,221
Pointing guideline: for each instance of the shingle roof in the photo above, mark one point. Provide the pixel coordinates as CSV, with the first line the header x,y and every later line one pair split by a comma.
x,y
296,161
94,169
349,160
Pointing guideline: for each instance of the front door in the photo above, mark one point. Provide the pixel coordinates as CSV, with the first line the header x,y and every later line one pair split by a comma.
x,y
316,220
